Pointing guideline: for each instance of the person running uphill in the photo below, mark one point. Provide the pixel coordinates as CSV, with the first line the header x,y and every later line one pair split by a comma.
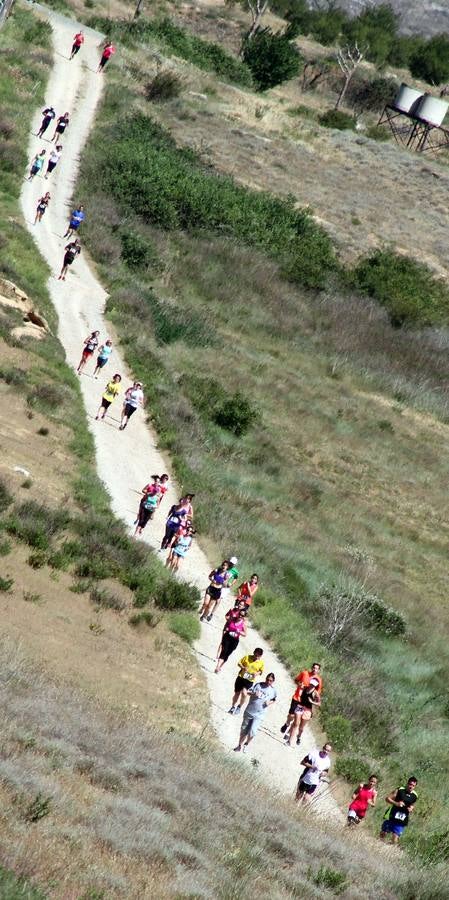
x,y
90,344
110,392
182,544
48,116
61,125
218,579
175,519
78,42
37,165
108,51
53,160
71,252
251,667
304,699
402,803
41,207
247,589
365,795
104,353
148,505
76,219
133,398
262,696
234,629
302,680
317,764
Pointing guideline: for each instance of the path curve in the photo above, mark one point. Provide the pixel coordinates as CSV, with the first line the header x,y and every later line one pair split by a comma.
x,y
125,460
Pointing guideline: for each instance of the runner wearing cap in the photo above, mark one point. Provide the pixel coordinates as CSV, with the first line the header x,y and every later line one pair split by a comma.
x,y
304,699
302,680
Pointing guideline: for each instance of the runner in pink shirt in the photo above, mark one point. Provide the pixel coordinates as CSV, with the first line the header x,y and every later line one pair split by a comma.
x,y
78,41
108,51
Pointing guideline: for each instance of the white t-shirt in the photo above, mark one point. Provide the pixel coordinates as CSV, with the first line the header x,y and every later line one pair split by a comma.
x,y
320,764
54,156
134,397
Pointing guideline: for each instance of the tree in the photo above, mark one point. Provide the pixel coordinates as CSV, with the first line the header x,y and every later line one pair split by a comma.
x,y
271,57
257,10
314,71
376,29
431,61
349,59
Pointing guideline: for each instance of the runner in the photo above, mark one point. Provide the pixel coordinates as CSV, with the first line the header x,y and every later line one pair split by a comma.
x,y
317,764
218,578
90,345
61,125
37,165
48,116
233,574
108,51
41,207
365,795
188,501
179,549
148,505
402,803
304,699
247,589
71,252
234,629
104,353
78,41
251,667
76,219
133,398
303,680
163,488
53,160
262,696
233,613
110,392
176,517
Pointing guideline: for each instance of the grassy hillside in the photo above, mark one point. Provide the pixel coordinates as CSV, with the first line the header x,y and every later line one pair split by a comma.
x,y
334,492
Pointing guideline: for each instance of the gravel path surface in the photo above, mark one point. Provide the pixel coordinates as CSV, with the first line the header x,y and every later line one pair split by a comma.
x,y
125,460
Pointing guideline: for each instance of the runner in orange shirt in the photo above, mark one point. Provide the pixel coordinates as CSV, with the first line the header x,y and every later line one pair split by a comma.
x,y
302,681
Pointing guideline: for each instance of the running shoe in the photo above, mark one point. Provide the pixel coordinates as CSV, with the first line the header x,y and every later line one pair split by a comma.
x,y
284,728
231,711
209,618
237,710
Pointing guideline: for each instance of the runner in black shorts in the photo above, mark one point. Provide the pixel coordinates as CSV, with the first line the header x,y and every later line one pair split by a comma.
x,y
62,123
71,252
251,667
110,392
41,207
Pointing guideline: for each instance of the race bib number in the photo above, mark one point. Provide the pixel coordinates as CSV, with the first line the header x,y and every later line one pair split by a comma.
x,y
400,816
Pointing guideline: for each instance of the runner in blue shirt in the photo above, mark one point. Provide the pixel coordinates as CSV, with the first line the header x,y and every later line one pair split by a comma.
x,y
104,353
77,217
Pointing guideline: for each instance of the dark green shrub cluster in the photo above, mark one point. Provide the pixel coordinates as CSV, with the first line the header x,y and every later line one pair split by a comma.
x,y
336,118
331,879
177,595
373,94
351,768
204,54
36,524
430,60
234,412
407,288
164,86
137,252
173,323
272,57
170,187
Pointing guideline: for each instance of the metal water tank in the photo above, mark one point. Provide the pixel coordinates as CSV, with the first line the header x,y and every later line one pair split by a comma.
x,y
431,109
406,98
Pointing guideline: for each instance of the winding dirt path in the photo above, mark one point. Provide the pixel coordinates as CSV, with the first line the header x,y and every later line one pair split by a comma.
x,y
125,460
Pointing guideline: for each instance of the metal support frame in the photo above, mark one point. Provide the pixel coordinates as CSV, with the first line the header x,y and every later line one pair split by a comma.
x,y
414,133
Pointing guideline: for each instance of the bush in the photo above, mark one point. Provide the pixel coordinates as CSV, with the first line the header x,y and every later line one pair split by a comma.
x,y
37,560
375,94
137,252
186,626
165,85
335,118
330,879
351,768
430,61
149,617
271,57
6,583
339,731
107,600
407,288
36,524
5,547
6,497
177,595
236,414
374,29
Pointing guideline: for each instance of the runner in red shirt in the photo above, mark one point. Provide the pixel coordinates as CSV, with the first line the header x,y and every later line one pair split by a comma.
x,y
303,681
78,41
365,795
108,51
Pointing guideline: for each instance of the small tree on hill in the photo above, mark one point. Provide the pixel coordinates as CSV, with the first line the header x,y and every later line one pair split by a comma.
x,y
349,59
431,61
271,57
257,10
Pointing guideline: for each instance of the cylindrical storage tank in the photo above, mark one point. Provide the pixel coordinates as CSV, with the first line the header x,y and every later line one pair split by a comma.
x,y
406,97
431,109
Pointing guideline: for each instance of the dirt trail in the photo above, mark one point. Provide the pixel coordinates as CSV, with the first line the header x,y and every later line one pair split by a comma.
x,y
125,460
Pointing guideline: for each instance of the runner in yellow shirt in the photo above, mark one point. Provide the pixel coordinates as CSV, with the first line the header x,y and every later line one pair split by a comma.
x,y
250,668
110,392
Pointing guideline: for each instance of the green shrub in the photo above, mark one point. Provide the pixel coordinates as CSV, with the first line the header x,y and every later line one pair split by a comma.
x,y
170,188
236,414
37,560
148,616
165,85
38,808
5,547
352,768
177,595
137,252
336,118
6,497
430,61
404,48
186,626
407,288
375,29
107,600
339,731
331,879
377,134
6,583
271,57
374,94
95,567
178,323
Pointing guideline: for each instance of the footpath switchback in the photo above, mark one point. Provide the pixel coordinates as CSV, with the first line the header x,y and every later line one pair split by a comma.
x,y
126,459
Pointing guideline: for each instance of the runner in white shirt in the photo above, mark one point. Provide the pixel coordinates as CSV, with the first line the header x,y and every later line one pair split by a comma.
x,y
316,764
133,398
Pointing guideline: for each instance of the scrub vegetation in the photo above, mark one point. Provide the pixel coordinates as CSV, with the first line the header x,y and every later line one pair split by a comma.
x,y
330,490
